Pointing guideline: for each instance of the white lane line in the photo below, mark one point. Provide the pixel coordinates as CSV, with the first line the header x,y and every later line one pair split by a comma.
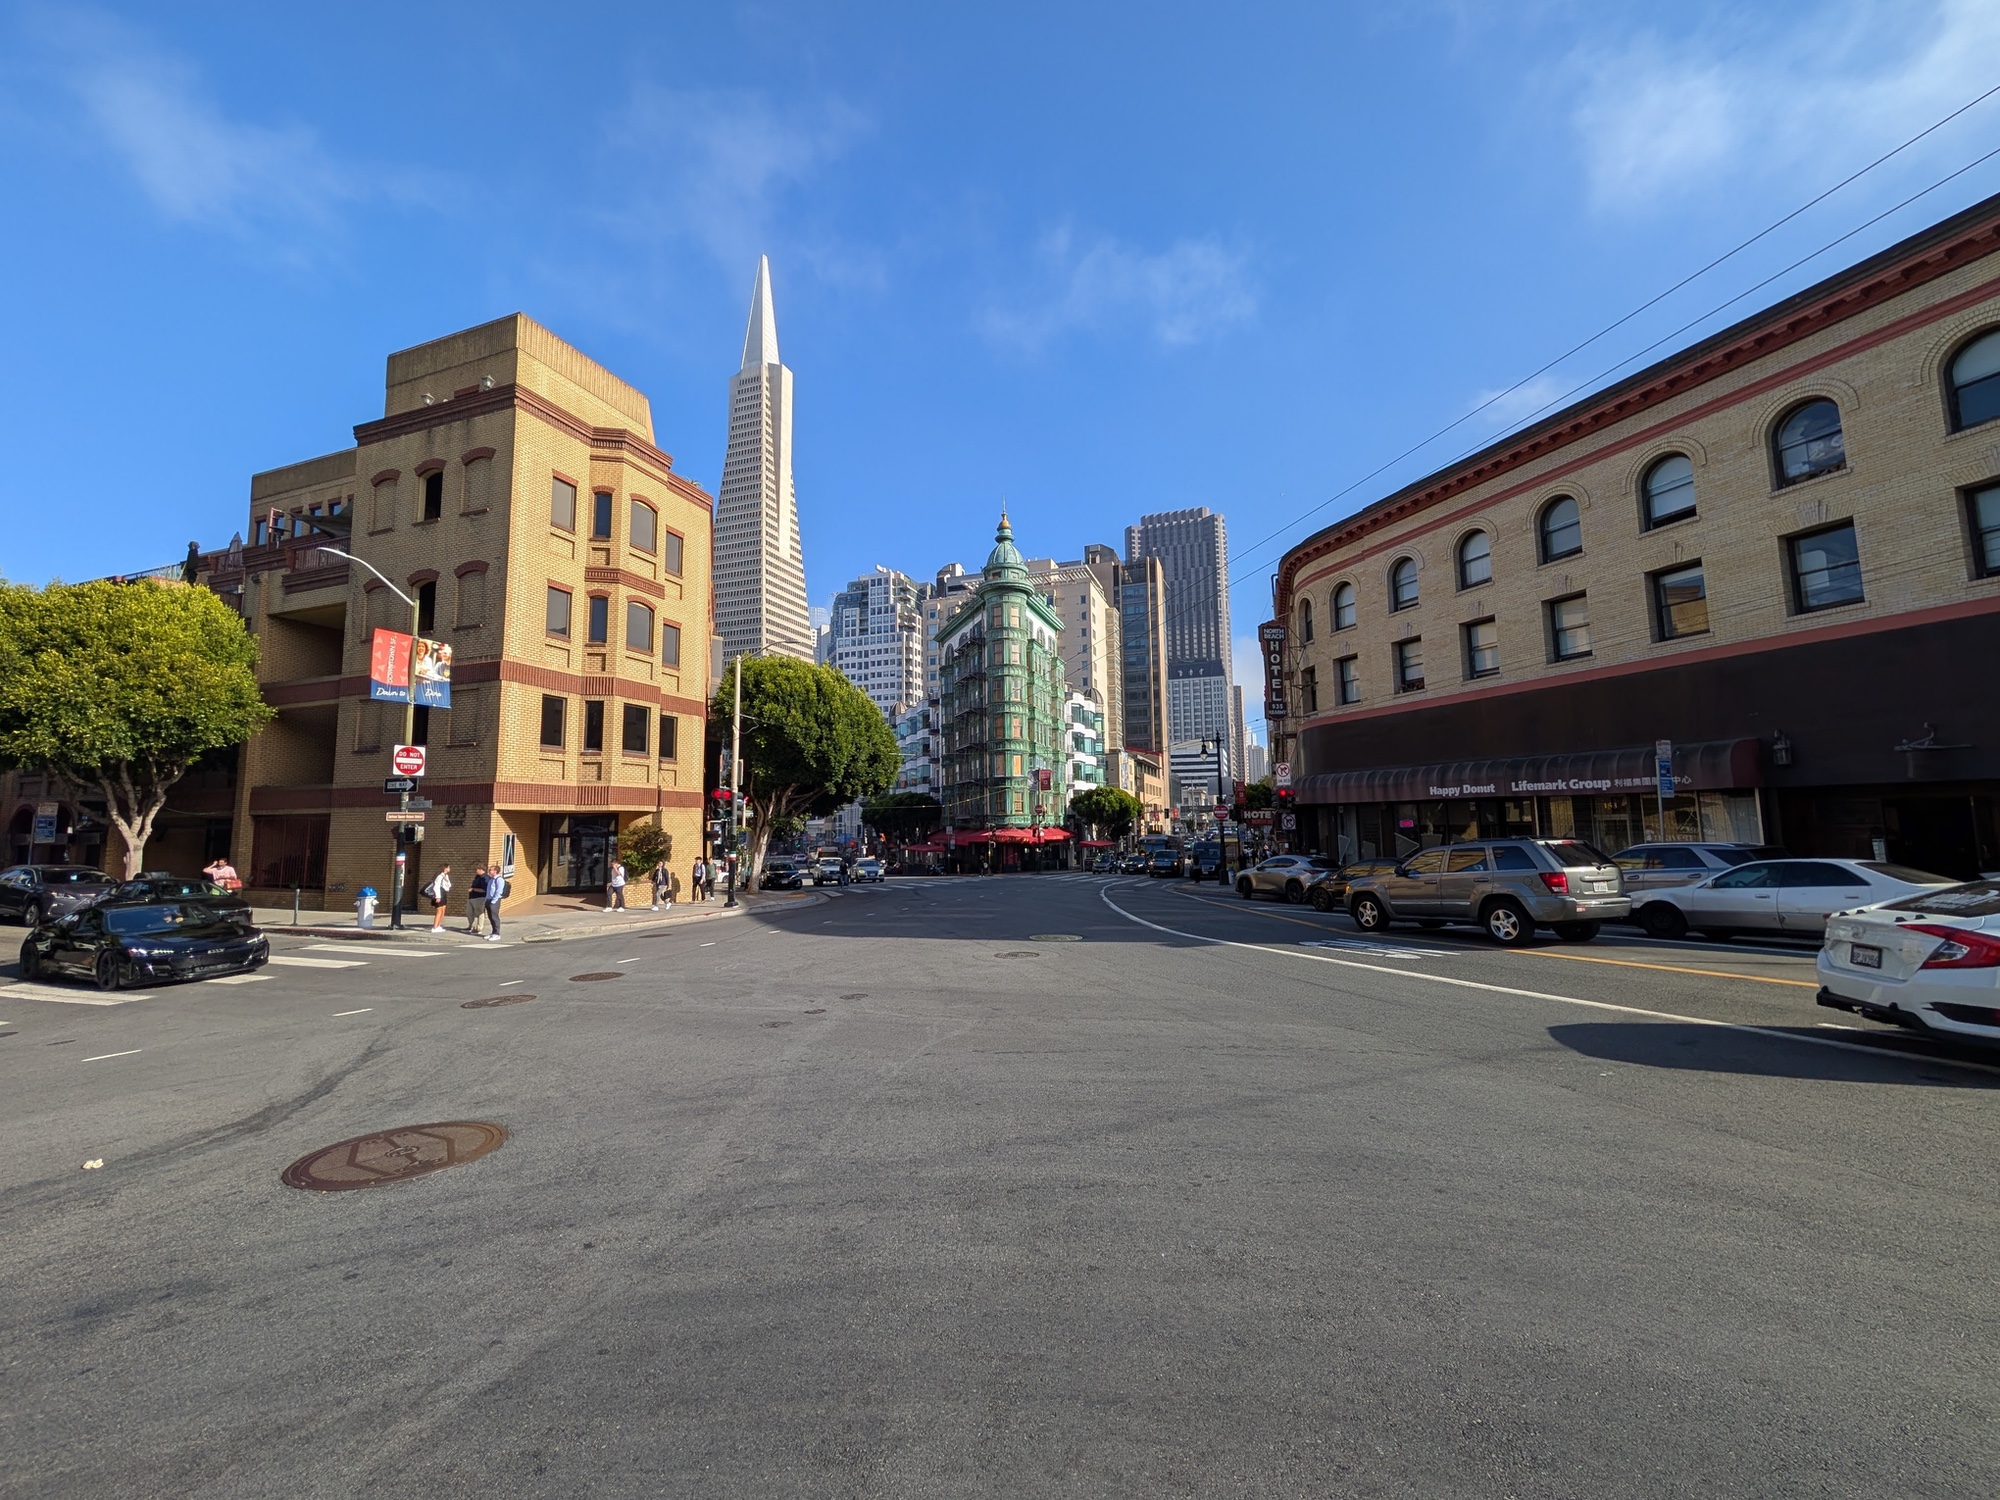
x,y
707,945
1422,977
505,982
365,1010
377,952
629,960
65,997
103,1055
239,979
292,961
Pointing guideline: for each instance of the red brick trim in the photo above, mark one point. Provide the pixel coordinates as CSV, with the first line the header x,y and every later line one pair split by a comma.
x,y
429,466
423,575
372,584
385,476
470,567
638,583
473,455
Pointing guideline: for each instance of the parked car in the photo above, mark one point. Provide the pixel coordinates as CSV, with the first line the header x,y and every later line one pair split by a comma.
x,y
158,885
1779,897
1930,961
827,871
1288,876
41,893
781,875
1329,892
118,943
1654,867
1507,886
869,870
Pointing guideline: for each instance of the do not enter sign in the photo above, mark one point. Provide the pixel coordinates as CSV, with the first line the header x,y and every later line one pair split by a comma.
x,y
407,760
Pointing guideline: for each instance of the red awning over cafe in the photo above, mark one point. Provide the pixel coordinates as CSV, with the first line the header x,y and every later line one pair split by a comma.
x,y
1025,836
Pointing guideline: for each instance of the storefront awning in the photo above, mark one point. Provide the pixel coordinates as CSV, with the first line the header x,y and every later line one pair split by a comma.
x,y
1027,835
1706,766
925,849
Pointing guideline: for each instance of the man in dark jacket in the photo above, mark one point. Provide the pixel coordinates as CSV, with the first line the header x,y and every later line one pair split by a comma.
x,y
475,900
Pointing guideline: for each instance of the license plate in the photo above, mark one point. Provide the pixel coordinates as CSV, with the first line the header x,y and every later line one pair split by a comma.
x,y
1862,956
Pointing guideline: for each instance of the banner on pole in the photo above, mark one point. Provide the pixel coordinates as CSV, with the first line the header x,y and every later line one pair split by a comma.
x,y
390,669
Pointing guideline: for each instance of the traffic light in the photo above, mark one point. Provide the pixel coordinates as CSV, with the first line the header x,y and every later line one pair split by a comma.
x,y
1283,798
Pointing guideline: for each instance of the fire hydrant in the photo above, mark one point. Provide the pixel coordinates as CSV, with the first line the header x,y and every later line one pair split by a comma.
x,y
364,907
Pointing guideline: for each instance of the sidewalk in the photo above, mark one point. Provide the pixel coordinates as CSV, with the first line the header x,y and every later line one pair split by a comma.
x,y
541,919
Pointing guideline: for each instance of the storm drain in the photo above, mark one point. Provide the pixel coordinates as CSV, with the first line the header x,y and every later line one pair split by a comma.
x,y
393,1155
492,1000
587,978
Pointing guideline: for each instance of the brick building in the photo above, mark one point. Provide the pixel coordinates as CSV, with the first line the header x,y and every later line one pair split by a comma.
x,y
1779,549
512,486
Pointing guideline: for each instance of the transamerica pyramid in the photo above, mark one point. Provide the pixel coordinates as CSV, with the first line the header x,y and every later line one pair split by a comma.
x,y
760,573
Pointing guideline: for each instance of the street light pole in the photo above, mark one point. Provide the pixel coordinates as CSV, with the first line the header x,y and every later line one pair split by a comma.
x,y
409,731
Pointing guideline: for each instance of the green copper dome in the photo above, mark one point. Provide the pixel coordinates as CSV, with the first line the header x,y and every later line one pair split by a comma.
x,y
1005,561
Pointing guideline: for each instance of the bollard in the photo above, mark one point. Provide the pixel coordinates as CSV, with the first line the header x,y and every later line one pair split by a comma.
x,y
295,906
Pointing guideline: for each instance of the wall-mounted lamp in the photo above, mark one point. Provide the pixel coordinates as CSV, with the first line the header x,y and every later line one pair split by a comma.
x,y
1781,749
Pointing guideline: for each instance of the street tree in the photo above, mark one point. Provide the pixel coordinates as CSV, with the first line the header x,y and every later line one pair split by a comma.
x,y
120,687
812,742
643,846
904,817
1108,809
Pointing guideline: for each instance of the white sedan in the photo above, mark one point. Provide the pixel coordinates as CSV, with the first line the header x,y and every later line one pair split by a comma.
x,y
1930,961
1779,897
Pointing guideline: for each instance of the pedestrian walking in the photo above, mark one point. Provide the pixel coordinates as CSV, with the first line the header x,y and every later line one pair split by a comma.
x,y
498,888
708,881
614,888
223,873
475,899
694,881
663,885
438,893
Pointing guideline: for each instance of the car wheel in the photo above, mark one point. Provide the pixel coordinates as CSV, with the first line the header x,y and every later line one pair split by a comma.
x,y
1507,924
1322,899
1369,914
1577,932
1295,893
1663,920
31,962
110,972
1245,889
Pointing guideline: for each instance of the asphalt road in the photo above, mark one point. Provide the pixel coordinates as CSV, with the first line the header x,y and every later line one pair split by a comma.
x,y
898,1195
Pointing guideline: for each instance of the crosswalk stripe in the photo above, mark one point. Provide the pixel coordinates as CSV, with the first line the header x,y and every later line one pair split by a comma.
x,y
63,996
240,978
292,961
381,951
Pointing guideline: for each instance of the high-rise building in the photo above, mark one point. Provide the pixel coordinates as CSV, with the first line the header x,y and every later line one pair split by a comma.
x,y
1193,548
938,602
1256,762
1142,646
1089,642
760,572
876,637
1239,738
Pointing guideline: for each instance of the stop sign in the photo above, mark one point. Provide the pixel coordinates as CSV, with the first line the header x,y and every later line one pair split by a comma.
x,y
408,760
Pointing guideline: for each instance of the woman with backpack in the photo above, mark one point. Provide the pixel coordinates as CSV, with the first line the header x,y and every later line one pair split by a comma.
x,y
438,892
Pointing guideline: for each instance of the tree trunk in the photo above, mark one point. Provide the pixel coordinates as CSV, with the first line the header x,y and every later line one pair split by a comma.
x,y
133,809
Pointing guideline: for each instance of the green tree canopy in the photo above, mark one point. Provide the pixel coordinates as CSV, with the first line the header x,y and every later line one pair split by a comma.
x,y
903,816
642,846
1110,811
812,742
1258,794
120,687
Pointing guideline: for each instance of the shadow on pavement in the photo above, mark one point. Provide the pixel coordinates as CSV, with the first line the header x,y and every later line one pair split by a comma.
x,y
1716,1049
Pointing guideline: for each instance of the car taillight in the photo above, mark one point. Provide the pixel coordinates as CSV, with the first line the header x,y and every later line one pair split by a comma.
x,y
1961,948
1557,881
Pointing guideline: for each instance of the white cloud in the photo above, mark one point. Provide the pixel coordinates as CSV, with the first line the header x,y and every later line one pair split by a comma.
x,y
1190,291
1752,95
1510,407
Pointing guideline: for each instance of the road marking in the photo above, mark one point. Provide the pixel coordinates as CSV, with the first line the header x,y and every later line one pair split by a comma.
x,y
1356,945
65,997
704,945
1420,976
239,979
103,1055
292,961
365,1010
506,982
382,952
629,960
1630,963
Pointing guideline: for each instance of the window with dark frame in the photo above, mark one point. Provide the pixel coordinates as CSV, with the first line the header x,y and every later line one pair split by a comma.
x,y
1403,584
1347,679
1410,664
1975,382
554,711
593,726
632,732
1569,627
670,644
670,552
1560,530
1808,443
434,495
670,737
600,515
1343,607
427,606
1482,648
1305,620
645,530
1669,490
1308,690
1475,560
562,504
1680,602
1826,568
600,620
1982,513
638,626
558,612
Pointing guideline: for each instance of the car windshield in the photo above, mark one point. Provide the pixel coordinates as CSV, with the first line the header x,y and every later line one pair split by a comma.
x,y
1976,898
1575,854
1905,874
73,875
171,918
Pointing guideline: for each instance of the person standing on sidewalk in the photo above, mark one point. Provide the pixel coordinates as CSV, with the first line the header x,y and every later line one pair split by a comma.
x,y
439,894
708,880
497,888
475,900
695,887
614,888
663,884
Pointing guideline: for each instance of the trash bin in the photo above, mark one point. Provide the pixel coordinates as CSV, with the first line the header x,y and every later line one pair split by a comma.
x,y
364,907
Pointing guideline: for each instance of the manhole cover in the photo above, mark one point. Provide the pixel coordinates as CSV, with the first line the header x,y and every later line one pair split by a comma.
x,y
492,1000
1053,937
1018,953
586,978
392,1155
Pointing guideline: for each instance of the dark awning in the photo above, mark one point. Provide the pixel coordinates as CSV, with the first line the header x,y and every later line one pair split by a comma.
x,y
1708,766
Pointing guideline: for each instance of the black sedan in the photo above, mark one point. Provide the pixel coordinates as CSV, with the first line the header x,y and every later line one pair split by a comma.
x,y
156,885
1329,892
118,943
41,893
781,875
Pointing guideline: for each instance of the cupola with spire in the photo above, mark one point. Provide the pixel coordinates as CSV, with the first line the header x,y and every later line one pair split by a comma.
x,y
1004,562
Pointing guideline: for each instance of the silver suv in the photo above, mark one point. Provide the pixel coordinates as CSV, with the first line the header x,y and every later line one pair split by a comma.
x,y
1655,867
1507,886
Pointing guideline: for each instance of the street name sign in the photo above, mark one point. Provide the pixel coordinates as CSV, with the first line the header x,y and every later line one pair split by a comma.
x,y
407,760
397,815
419,804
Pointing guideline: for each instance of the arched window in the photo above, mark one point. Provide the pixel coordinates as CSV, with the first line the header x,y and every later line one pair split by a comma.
x,y
1669,490
1403,583
1559,532
1808,442
645,529
1475,560
1343,607
638,626
1305,620
1975,382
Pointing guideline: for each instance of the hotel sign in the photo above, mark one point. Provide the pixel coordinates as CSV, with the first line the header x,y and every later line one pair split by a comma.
x,y
1271,637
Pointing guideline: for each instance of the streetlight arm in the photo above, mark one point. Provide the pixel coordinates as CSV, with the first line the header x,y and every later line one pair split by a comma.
x,y
376,571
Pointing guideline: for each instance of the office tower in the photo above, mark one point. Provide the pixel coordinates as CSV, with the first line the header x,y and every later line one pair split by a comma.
x,y
1142,640
1089,640
1193,548
1239,737
760,574
875,636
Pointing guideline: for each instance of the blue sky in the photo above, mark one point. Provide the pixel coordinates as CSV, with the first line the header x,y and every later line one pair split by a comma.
x,y
1084,260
